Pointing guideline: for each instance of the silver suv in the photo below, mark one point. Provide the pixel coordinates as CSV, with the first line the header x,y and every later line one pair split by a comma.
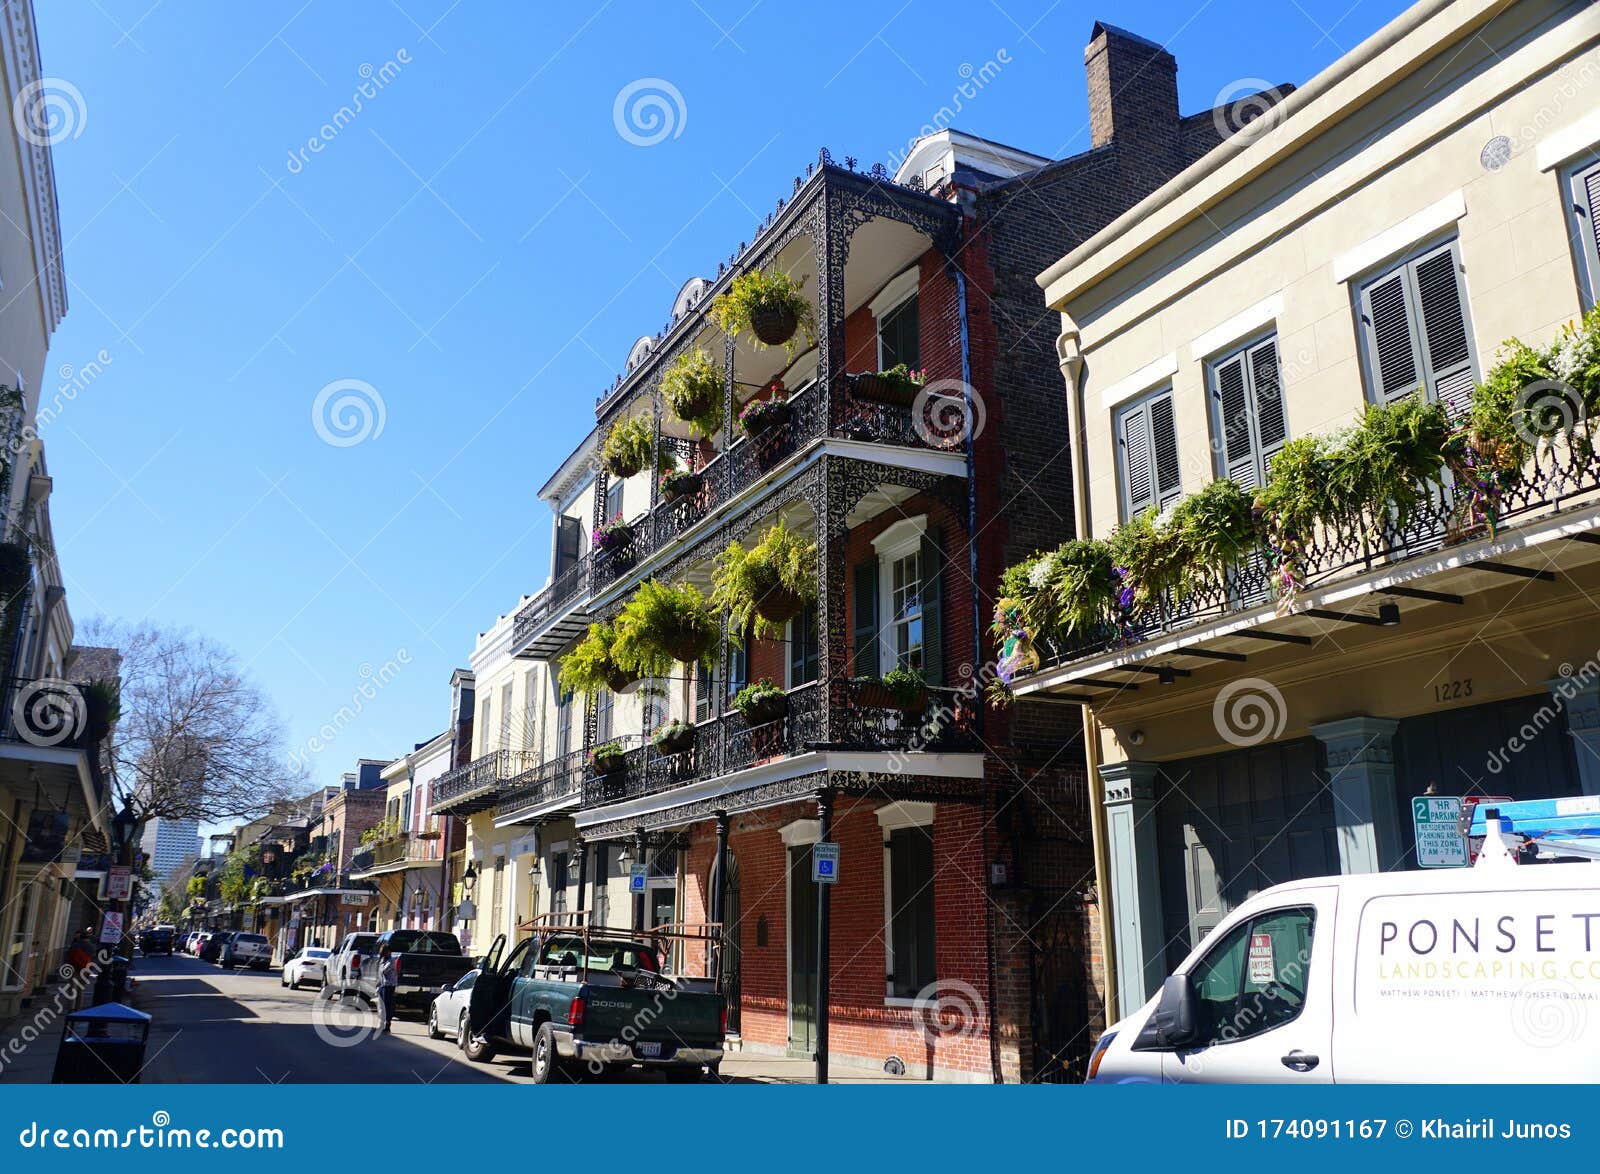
x,y
246,949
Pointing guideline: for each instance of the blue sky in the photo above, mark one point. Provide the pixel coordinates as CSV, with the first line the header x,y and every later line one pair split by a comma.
x,y
480,246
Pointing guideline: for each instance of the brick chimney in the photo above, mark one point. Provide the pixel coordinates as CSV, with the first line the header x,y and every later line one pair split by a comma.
x,y
1133,89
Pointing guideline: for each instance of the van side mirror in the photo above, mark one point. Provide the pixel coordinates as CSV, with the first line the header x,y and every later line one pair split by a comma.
x,y
1173,1022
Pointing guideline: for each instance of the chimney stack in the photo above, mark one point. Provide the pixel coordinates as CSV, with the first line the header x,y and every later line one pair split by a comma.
x,y
1133,89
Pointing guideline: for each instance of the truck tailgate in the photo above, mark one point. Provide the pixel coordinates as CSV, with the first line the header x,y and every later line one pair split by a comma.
x,y
678,1018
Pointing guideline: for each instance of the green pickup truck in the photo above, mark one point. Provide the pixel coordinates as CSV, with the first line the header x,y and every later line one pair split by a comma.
x,y
588,1001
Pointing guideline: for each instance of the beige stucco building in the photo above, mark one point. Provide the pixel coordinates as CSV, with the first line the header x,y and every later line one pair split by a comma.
x,y
1384,228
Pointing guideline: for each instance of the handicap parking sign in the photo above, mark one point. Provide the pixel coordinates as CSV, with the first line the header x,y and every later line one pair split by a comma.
x,y
636,878
825,863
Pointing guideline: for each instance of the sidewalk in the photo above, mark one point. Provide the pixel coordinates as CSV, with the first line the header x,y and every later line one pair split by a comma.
x,y
746,1068
29,1042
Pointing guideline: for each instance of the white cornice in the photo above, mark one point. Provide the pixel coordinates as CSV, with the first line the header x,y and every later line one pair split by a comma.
x,y
35,164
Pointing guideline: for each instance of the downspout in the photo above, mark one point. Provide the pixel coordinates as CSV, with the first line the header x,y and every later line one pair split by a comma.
x,y
967,392
1071,361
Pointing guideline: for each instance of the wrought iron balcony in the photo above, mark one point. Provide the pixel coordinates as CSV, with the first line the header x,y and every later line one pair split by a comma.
x,y
475,787
1554,479
46,712
402,851
543,787
555,615
728,744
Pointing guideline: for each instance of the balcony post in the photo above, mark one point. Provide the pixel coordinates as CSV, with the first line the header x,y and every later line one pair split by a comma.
x,y
1579,695
1129,790
831,535
730,350
638,898
719,891
583,872
824,928
1360,754
653,467
827,241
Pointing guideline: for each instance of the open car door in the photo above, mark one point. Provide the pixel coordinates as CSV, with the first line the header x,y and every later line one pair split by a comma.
x,y
490,1008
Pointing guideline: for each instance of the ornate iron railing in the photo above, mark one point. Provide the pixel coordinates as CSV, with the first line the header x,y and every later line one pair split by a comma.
x,y
727,744
480,779
44,712
550,781
1557,476
572,585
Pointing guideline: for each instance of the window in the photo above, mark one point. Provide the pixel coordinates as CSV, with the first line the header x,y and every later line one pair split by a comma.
x,y
896,602
1247,411
563,719
560,869
738,669
1584,186
483,727
702,693
910,906
1147,455
898,339
605,708
497,894
529,727
602,893
1255,978
505,716
803,647
904,621
1415,332
614,500
569,545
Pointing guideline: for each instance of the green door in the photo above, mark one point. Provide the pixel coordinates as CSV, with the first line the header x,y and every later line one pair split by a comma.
x,y
802,954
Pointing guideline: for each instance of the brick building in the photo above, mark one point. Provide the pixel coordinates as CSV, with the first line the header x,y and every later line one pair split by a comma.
x,y
963,936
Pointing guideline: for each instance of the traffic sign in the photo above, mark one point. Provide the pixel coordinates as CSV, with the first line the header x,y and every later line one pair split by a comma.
x,y
825,863
111,928
1435,820
636,878
119,882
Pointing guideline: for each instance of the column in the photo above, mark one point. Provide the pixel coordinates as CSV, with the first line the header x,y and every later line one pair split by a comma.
x,y
824,935
1581,700
638,898
1360,752
1135,880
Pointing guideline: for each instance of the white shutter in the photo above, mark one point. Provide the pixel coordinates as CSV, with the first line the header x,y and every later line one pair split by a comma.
x,y
1392,353
1586,207
1133,452
1452,374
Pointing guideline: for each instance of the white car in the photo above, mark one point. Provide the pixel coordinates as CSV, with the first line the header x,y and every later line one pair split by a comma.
x,y
447,1014
245,949
306,966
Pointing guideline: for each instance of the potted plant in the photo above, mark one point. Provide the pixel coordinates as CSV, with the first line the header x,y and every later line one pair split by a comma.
x,y
102,701
674,737
608,758
627,447
593,664
761,416
665,625
761,702
769,306
899,688
898,386
680,485
693,389
613,535
768,585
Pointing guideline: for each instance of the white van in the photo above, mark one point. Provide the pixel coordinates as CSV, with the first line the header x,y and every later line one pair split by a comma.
x,y
1481,974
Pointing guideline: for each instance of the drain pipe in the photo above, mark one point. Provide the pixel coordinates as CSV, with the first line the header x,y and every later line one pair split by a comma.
x,y
967,392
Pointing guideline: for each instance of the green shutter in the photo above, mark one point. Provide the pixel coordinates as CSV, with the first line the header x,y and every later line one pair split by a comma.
x,y
932,570
866,619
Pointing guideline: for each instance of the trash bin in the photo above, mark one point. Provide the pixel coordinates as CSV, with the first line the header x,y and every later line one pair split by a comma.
x,y
103,1045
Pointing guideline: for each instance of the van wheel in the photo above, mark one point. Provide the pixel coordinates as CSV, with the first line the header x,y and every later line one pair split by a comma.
x,y
548,1066
474,1047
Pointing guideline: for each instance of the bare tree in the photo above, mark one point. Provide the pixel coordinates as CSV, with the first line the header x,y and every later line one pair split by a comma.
x,y
195,738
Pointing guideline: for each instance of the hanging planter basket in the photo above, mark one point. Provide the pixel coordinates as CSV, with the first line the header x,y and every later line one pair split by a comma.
x,y
621,681
766,709
622,467
774,325
610,763
684,647
779,605
882,388
762,417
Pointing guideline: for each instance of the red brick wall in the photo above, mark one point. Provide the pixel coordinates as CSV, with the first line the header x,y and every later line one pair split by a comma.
x,y
861,1025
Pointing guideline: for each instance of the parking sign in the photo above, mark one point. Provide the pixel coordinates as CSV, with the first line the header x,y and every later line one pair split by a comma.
x,y
636,878
825,863
1440,844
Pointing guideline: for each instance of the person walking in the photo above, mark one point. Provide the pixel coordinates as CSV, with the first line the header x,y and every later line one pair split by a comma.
x,y
388,979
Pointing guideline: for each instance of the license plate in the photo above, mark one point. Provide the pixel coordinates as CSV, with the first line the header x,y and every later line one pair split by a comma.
x,y
647,1049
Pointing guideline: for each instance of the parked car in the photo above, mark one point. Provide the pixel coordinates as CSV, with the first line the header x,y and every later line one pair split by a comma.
x,y
157,939
582,1001
424,961
251,950
191,941
447,1014
1379,977
211,945
306,967
343,966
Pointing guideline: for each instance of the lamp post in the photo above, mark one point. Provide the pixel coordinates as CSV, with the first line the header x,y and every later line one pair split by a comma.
x,y
109,983
468,912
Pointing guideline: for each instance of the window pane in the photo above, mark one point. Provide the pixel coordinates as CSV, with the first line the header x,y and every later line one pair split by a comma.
x,y
898,335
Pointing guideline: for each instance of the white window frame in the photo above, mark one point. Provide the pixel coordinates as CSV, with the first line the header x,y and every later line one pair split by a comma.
x,y
901,540
1586,256
893,817
899,290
